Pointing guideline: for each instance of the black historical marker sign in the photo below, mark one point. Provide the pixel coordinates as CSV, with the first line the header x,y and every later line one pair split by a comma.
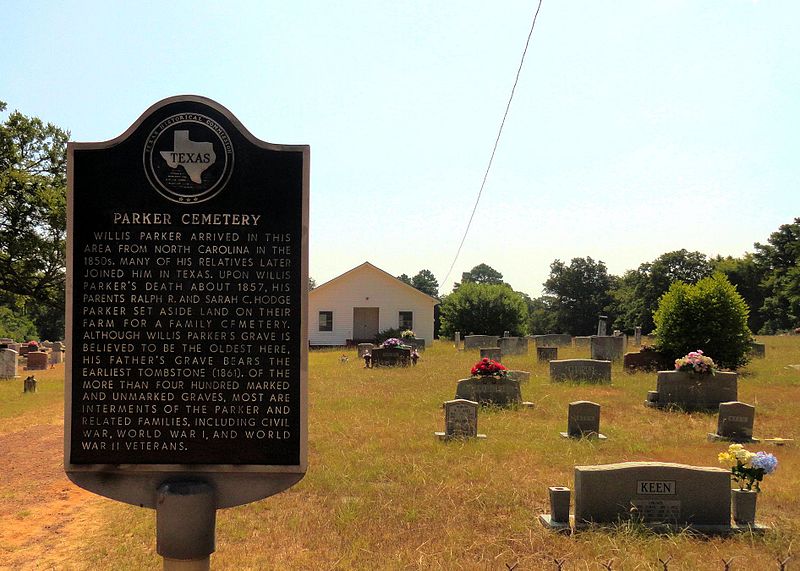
x,y
186,313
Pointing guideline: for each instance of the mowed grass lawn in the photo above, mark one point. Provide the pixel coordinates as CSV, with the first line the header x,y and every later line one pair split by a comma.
x,y
383,493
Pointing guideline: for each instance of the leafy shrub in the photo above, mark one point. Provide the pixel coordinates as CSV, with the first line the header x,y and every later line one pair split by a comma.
x,y
487,309
16,327
710,315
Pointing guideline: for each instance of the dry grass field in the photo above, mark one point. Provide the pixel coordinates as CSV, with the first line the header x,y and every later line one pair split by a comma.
x,y
383,493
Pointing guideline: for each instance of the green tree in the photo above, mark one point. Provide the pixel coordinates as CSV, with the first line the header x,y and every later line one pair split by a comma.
x,y
33,213
426,282
779,260
747,275
628,303
404,278
580,292
480,308
709,315
17,327
480,274
542,316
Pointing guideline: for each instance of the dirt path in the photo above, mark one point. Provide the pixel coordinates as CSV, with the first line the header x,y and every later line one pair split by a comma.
x,y
43,516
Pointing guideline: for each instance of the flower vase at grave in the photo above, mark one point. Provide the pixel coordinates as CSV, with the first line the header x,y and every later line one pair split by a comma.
x,y
744,506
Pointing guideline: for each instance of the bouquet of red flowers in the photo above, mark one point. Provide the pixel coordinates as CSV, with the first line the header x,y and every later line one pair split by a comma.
x,y
486,367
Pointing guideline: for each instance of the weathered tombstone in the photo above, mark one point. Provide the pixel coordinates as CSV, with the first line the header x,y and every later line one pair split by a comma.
x,y
29,385
758,350
735,422
56,355
552,340
478,341
516,375
582,341
644,361
8,364
692,391
653,493
493,353
558,518
460,420
583,420
580,370
491,391
457,340
391,357
513,345
637,336
187,273
608,348
37,361
601,325
364,348
546,354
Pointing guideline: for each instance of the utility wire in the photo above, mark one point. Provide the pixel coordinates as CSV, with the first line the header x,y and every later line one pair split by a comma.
x,y
496,142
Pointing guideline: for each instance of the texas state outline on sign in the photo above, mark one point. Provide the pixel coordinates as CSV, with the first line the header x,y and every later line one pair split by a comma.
x,y
194,156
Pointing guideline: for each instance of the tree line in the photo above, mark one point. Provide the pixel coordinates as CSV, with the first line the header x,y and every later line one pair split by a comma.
x,y
33,260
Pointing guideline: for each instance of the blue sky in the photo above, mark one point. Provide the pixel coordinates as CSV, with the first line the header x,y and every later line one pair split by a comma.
x,y
637,128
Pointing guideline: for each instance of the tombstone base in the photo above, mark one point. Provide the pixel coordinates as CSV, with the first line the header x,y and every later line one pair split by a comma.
x,y
714,437
702,529
446,438
558,526
589,435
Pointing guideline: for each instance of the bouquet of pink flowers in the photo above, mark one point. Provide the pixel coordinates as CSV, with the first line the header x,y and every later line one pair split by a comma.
x,y
696,362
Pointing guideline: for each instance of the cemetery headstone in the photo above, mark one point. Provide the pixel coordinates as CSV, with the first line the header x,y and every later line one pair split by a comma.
x,y
589,370
692,391
460,420
457,340
645,361
29,384
478,341
558,518
56,355
602,321
758,350
608,348
583,420
491,391
493,353
552,340
188,271
582,341
516,375
513,345
734,422
8,364
364,348
637,336
545,354
391,357
656,494
37,361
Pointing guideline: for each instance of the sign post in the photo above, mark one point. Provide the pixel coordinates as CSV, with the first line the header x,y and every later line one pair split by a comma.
x,y
187,361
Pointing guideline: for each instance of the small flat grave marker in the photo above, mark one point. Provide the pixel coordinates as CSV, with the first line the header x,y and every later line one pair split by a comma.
x,y
460,420
583,420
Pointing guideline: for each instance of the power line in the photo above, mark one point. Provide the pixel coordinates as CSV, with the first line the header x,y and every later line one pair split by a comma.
x,y
496,142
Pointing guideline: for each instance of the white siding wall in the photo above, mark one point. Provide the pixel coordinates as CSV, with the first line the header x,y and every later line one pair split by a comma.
x,y
352,290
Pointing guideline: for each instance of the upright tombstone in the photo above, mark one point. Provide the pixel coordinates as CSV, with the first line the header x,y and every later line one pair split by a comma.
x,y
457,340
391,357
460,420
582,341
491,391
656,494
602,322
57,353
552,340
478,341
583,420
8,364
608,348
758,350
580,370
493,353
513,345
546,354
187,268
735,422
37,361
692,391
637,336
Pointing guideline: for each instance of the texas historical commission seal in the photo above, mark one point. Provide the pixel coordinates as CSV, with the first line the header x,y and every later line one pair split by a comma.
x,y
188,158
